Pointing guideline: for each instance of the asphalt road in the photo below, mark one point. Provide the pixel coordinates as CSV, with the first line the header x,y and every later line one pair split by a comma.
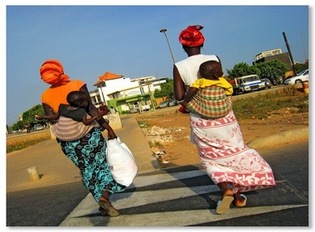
x,y
43,206
159,203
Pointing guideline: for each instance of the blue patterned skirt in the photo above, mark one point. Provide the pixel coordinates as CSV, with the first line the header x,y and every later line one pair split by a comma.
x,y
89,155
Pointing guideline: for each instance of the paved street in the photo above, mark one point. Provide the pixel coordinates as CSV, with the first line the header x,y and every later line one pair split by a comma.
x,y
186,197
182,196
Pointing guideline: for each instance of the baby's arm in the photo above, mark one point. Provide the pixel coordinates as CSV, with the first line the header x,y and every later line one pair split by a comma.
x,y
88,121
51,117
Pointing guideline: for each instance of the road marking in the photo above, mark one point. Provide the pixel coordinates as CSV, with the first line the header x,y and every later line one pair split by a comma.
x,y
141,181
143,205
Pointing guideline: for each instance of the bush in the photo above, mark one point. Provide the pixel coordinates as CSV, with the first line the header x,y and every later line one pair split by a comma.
x,y
258,107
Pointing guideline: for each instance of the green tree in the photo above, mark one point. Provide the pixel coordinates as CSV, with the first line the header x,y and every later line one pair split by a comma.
x,y
28,118
273,70
242,69
17,126
166,90
300,67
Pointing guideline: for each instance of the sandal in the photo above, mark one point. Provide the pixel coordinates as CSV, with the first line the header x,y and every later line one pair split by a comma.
x,y
224,205
106,207
240,201
102,211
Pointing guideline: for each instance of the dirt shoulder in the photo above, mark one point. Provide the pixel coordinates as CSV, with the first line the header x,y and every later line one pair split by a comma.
x,y
168,130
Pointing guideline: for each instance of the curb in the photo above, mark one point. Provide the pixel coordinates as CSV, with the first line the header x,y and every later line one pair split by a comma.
x,y
282,138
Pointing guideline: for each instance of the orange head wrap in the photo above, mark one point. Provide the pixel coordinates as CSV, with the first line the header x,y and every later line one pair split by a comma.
x,y
51,72
191,36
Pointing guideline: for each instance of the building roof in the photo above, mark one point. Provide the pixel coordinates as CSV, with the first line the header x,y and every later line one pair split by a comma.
x,y
107,76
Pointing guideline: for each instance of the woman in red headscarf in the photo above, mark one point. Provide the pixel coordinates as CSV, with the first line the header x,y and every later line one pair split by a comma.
x,y
231,165
83,144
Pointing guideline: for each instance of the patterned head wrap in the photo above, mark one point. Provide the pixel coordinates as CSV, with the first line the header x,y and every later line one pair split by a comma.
x,y
191,36
52,73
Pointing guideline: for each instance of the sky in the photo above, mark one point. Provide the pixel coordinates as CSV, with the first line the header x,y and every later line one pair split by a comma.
x,y
90,40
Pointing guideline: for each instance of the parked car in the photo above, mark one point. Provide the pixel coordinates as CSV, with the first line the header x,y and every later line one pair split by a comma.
x,y
172,102
135,108
246,84
38,127
167,103
163,104
298,78
267,82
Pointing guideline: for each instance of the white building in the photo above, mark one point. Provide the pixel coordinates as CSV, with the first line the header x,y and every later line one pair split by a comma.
x,y
264,54
124,93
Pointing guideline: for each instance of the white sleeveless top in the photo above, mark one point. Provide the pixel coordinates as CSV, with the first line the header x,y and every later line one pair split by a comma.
x,y
188,68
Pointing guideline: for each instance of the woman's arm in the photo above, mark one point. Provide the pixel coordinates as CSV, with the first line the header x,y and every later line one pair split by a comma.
x,y
179,86
110,131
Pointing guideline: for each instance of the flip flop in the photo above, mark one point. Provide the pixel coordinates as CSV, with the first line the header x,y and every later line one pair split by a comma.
x,y
242,203
224,205
109,209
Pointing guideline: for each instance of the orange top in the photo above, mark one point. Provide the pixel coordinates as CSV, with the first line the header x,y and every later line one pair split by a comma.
x,y
56,95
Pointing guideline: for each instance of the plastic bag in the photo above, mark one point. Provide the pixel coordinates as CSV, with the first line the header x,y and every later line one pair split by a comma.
x,y
121,161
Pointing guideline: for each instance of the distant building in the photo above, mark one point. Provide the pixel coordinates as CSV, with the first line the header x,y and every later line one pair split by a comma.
x,y
125,93
275,54
265,54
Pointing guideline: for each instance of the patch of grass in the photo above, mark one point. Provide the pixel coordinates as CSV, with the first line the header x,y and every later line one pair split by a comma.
x,y
143,124
27,140
23,144
155,144
258,107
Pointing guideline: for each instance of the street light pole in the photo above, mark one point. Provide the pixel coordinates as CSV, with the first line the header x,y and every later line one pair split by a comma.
x,y
163,30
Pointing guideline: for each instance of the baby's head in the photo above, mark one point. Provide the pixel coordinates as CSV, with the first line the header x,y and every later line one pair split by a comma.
x,y
78,99
211,70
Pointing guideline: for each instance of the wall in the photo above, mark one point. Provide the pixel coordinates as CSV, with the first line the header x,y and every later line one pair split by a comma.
x,y
114,120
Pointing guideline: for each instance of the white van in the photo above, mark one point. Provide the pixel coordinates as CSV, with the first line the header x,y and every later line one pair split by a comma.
x,y
248,83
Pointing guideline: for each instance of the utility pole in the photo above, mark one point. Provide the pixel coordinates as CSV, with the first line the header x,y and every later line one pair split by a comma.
x,y
163,30
290,54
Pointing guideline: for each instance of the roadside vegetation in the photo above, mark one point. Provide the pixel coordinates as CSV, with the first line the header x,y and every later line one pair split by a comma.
x,y
246,108
273,70
16,143
261,106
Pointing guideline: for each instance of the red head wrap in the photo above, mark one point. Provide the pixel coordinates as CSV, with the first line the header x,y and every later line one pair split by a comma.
x,y
51,72
191,36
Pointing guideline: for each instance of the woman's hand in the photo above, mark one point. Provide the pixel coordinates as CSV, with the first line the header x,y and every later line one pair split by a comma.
x,y
111,135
